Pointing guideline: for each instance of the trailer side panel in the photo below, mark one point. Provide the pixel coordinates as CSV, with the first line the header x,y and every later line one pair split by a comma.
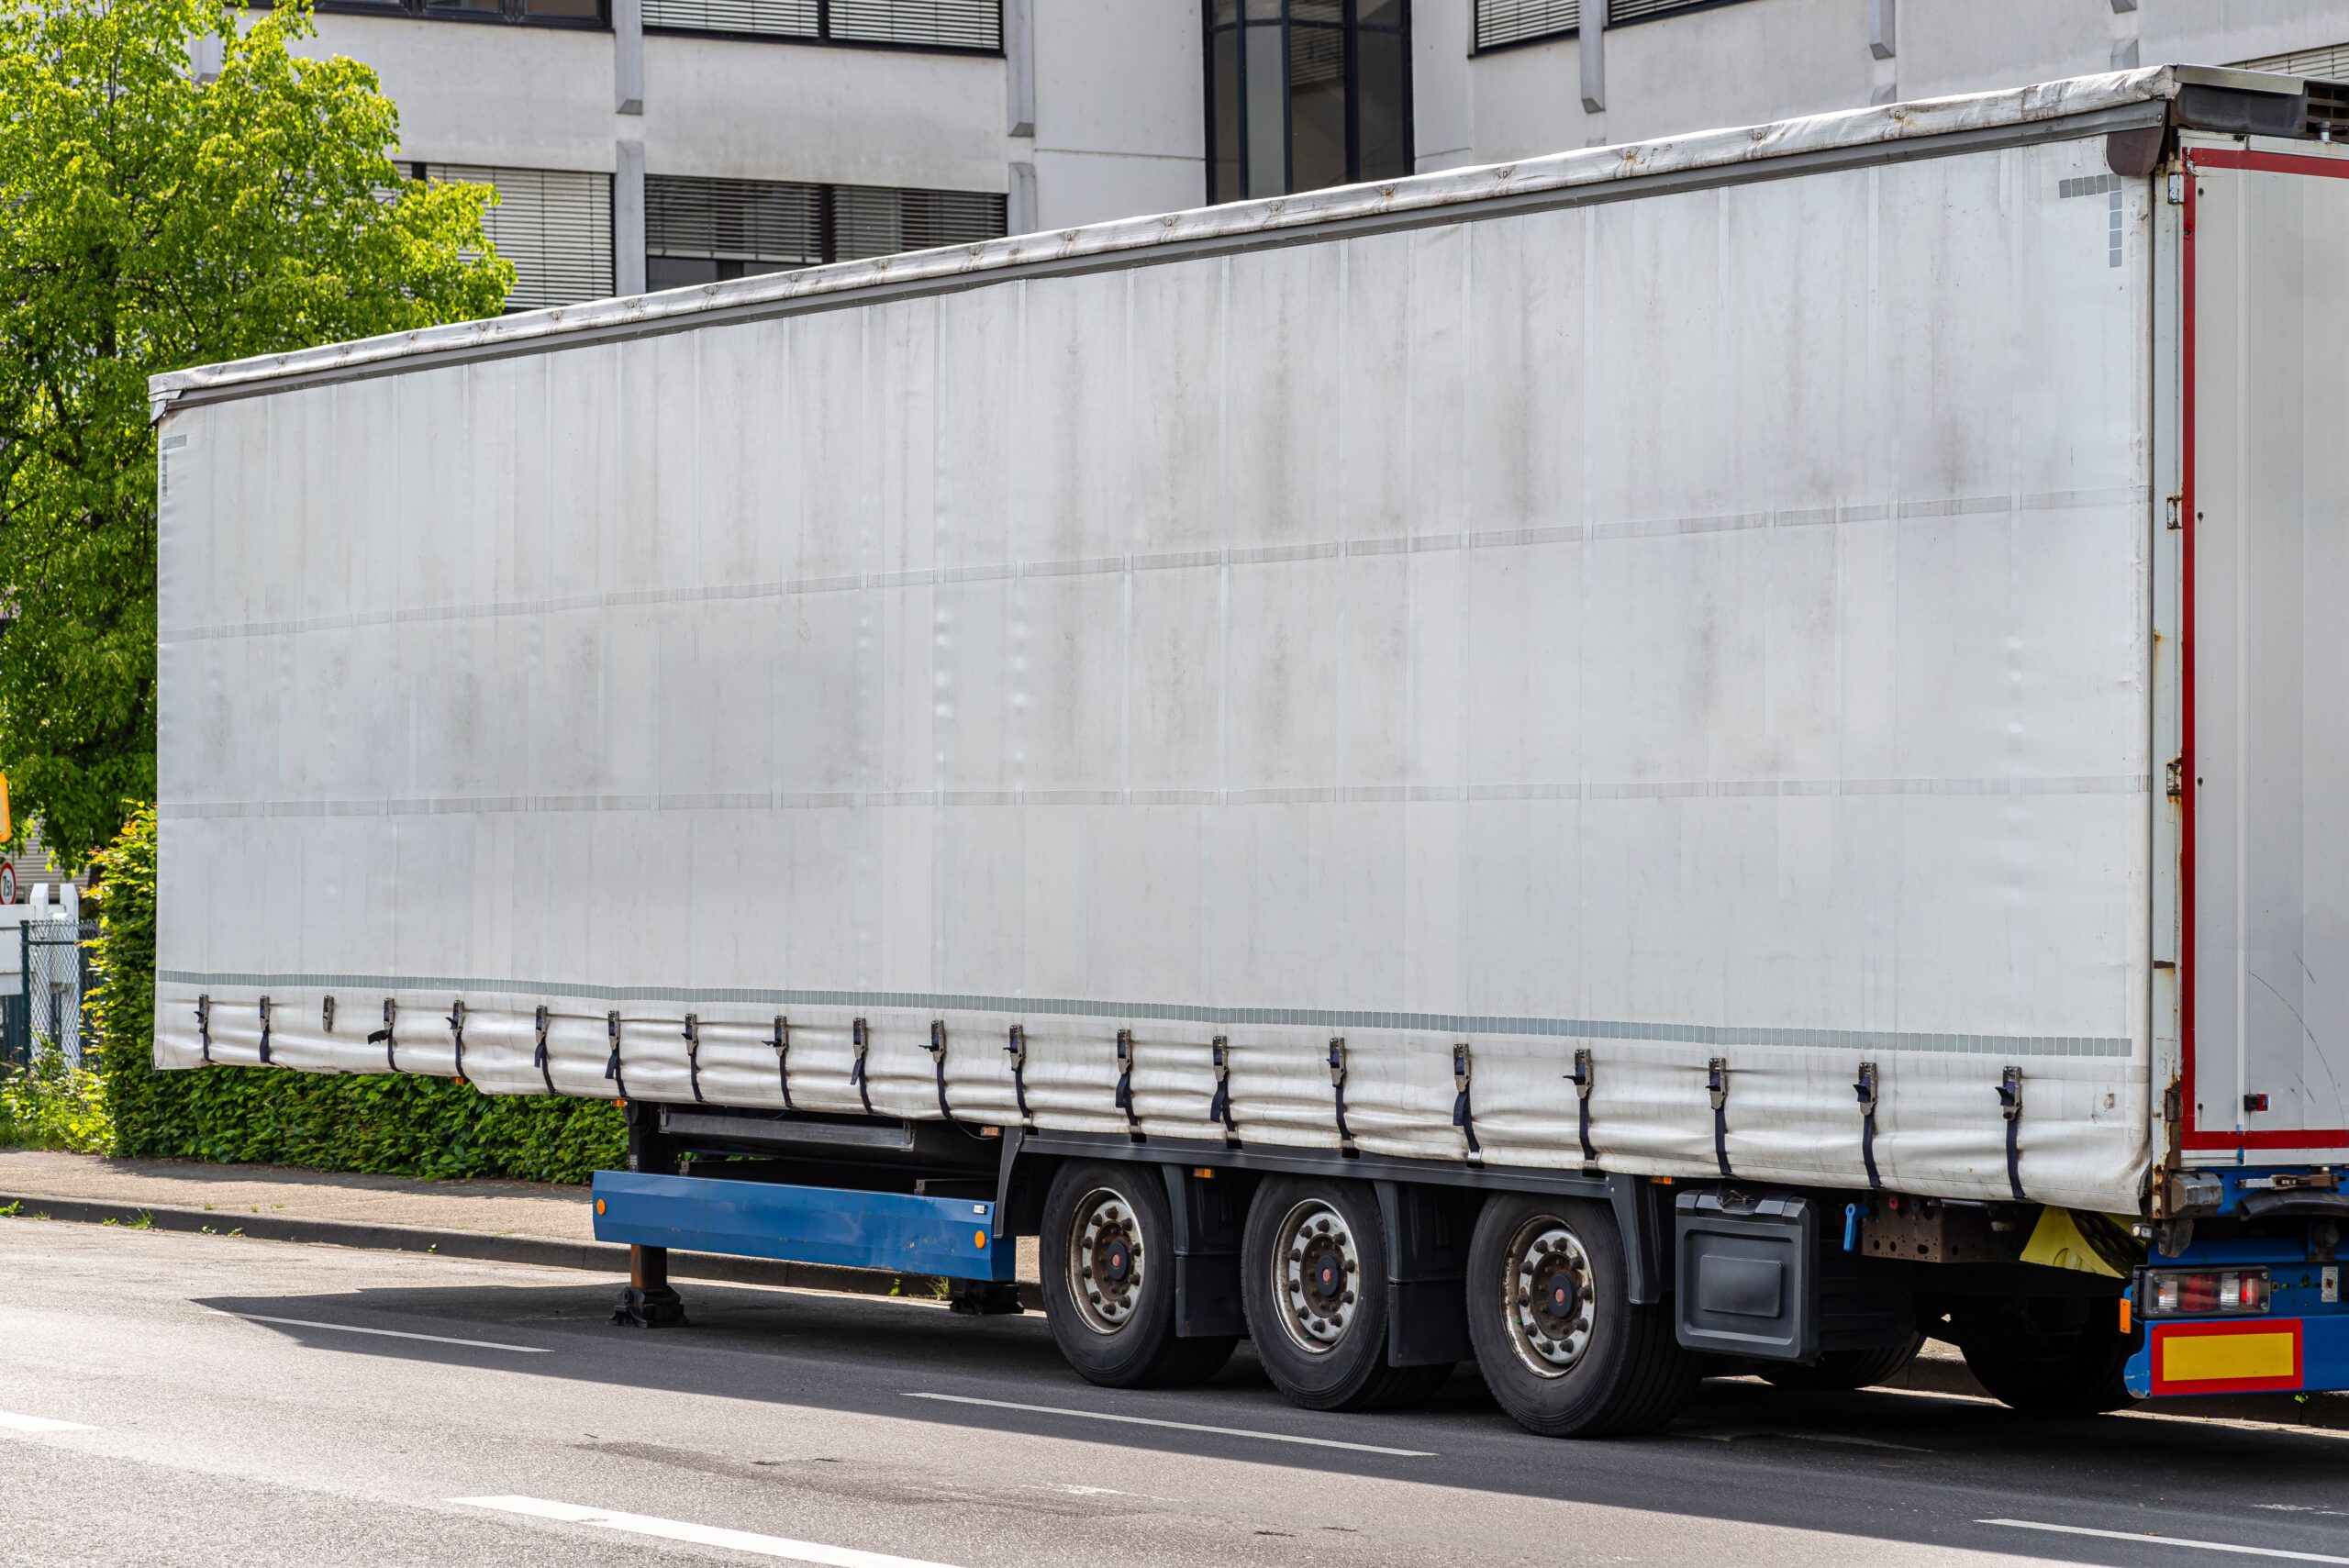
x,y
1708,631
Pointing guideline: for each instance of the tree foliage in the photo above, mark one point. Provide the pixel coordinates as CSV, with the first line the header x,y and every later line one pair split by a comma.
x,y
151,219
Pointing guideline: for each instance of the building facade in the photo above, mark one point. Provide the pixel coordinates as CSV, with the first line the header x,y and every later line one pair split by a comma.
x,y
653,144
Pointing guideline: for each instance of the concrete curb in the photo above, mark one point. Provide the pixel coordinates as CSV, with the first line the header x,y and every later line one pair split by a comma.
x,y
599,1257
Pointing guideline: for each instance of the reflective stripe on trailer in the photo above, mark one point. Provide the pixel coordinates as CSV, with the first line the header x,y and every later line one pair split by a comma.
x,y
2261,1356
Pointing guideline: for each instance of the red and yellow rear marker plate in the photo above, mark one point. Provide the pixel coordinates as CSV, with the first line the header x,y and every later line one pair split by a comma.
x,y
2259,1357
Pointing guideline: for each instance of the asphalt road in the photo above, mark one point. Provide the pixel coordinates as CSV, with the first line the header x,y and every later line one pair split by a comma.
x,y
196,1400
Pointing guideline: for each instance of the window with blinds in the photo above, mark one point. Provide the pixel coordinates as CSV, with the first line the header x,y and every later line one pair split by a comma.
x,y
743,220
554,225
975,25
778,18
541,13
1622,11
698,230
936,24
873,220
1502,22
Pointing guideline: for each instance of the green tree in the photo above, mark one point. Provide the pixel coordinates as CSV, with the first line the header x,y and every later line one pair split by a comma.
x,y
151,219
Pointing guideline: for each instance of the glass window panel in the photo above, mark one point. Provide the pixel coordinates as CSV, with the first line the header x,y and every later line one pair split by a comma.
x,y
1317,106
1263,10
678,272
1379,13
564,10
1223,175
470,7
1385,135
1267,114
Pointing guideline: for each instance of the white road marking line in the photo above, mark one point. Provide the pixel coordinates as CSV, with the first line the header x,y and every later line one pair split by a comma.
x,y
1177,1426
2136,1539
699,1535
9,1423
385,1333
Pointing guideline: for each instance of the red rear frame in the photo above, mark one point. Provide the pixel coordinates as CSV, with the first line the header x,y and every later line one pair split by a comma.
x,y
2191,1136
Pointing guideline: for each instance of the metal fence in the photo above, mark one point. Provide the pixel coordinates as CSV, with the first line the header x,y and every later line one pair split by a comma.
x,y
55,986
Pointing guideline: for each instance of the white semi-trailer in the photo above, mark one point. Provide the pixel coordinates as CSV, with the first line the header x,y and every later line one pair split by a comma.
x,y
1725,752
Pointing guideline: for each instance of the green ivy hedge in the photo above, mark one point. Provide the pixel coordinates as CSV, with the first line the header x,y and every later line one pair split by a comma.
x,y
392,1125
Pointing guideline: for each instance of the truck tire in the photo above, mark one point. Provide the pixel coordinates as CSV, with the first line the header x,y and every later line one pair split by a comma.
x,y
1562,1347
2075,1373
1108,1252
1840,1372
1313,1275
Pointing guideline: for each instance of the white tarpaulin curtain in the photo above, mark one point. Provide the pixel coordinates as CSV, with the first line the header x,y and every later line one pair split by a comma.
x,y
1708,627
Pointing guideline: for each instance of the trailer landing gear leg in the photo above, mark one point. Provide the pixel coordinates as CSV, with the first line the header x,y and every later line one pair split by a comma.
x,y
982,1299
648,1302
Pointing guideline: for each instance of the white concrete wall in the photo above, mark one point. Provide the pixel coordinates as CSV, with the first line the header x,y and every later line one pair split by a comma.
x,y
1767,59
1120,109
473,92
2238,29
1120,92
1118,118
759,110
1966,46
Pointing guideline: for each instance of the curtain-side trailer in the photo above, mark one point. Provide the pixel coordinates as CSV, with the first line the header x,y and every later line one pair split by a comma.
x,y
1725,752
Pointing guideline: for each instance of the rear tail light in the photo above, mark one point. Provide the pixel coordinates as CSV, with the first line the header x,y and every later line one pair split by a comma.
x,y
2213,1293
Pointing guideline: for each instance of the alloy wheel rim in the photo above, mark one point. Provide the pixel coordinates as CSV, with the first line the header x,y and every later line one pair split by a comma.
x,y
1316,1275
1547,1297
1104,1260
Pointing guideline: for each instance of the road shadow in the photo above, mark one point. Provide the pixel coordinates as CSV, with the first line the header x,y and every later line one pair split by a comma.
x,y
1881,1464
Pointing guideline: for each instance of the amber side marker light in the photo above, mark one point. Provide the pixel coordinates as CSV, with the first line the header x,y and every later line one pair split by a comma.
x,y
599,1206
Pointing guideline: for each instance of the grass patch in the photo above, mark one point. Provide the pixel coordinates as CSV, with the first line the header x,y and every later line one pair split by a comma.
x,y
54,1105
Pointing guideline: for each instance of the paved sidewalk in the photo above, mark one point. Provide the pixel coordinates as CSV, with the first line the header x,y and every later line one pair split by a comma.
x,y
488,1208
519,1222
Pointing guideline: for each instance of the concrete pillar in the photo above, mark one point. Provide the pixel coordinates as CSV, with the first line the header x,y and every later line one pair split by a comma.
x,y
1020,67
1883,52
628,216
2122,28
1591,45
628,56
1020,215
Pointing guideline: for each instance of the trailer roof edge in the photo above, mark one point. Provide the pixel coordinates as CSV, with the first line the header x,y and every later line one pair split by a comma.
x,y
2075,106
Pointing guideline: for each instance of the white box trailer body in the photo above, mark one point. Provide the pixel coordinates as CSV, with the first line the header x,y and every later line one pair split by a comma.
x,y
1695,614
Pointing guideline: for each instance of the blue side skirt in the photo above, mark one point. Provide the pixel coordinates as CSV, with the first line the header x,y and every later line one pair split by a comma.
x,y
951,1237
